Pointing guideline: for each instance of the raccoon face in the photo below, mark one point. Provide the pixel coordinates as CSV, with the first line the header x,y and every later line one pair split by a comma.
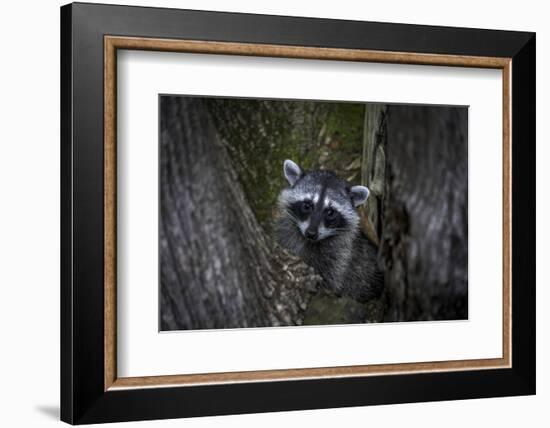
x,y
320,203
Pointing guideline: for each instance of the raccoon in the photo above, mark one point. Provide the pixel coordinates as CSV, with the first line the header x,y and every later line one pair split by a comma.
x,y
317,220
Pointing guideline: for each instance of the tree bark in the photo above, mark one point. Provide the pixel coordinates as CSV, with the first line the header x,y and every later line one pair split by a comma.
x,y
373,167
425,238
218,269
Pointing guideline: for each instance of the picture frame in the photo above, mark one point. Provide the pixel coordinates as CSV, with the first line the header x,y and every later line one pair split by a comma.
x,y
91,391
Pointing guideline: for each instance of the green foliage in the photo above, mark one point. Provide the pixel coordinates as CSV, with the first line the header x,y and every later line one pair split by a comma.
x,y
260,134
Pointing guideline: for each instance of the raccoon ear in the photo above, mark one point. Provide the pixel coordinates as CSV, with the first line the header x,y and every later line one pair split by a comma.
x,y
359,195
292,172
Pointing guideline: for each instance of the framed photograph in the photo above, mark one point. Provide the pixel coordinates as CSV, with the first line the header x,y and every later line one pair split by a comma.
x,y
265,213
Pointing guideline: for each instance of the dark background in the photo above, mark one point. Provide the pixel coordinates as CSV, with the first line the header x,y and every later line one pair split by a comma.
x,y
221,172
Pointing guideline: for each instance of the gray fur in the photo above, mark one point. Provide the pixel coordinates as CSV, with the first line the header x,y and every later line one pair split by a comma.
x,y
344,257
292,172
359,195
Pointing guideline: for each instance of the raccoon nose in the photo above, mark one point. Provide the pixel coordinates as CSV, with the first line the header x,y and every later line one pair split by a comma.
x,y
311,234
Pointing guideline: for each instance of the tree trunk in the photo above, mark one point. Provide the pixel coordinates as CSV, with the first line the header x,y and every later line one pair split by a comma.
x,y
218,270
373,167
425,238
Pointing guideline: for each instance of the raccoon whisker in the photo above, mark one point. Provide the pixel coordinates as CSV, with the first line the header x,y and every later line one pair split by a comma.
x,y
295,219
291,215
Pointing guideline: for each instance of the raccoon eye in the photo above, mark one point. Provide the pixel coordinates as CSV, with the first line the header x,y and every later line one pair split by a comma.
x,y
306,207
330,214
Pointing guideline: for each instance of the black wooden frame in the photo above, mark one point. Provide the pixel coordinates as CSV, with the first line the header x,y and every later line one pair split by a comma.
x,y
83,399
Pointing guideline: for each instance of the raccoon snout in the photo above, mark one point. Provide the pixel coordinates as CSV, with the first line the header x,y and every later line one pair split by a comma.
x,y
311,234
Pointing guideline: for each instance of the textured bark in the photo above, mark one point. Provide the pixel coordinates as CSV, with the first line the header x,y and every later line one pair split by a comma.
x,y
218,270
425,236
373,167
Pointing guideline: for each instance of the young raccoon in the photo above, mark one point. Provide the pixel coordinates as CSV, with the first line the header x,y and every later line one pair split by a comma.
x,y
318,222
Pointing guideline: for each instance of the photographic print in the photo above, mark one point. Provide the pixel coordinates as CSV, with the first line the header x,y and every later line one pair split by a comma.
x,y
300,213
